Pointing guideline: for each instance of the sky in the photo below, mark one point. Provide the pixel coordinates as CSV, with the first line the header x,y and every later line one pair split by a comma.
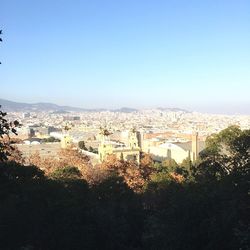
x,y
128,53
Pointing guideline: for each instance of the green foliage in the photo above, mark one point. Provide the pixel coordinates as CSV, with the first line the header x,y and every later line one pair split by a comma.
x,y
68,172
81,145
186,163
221,143
226,152
50,139
168,165
92,150
158,181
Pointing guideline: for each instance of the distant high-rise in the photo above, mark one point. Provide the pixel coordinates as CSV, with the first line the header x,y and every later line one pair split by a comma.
x,y
26,115
71,118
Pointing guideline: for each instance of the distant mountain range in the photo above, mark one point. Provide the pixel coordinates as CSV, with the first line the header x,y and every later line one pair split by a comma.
x,y
10,106
20,106
173,110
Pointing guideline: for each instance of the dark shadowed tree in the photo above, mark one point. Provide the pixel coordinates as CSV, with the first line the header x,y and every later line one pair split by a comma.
x,y
81,145
6,128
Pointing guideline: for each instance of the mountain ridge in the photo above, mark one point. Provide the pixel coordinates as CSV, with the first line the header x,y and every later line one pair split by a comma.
x,y
12,106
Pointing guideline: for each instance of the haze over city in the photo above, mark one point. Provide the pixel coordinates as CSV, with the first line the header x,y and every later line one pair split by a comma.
x,y
141,54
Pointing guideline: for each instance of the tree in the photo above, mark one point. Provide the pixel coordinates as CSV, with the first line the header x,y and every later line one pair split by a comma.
x,y
218,145
50,139
6,128
167,166
186,168
81,145
129,170
65,158
62,173
146,166
118,213
186,163
225,152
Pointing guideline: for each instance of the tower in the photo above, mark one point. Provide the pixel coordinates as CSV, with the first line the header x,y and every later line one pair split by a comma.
x,y
133,139
194,146
66,140
105,147
140,137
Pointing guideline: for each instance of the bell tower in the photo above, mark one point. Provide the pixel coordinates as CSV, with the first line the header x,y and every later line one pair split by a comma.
x,y
133,140
66,140
105,147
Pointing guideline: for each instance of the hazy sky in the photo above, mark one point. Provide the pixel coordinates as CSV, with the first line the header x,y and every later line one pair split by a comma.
x,y
135,53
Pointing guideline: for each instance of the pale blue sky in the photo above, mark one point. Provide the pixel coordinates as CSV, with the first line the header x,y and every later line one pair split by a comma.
x,y
135,53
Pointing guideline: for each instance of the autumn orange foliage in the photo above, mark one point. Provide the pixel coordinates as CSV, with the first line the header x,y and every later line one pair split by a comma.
x,y
177,177
69,157
133,174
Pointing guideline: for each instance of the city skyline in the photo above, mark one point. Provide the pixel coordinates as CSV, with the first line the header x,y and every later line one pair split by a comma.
x,y
193,56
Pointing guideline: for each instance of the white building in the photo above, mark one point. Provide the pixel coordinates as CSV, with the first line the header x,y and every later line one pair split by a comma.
x,y
177,151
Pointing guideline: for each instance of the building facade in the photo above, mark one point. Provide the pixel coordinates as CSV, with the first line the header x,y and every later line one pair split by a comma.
x,y
129,152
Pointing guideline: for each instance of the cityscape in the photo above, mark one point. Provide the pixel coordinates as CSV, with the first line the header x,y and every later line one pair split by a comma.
x,y
157,130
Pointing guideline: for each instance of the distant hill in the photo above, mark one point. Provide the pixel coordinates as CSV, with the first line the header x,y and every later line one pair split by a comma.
x,y
173,110
60,112
10,106
125,110
24,107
